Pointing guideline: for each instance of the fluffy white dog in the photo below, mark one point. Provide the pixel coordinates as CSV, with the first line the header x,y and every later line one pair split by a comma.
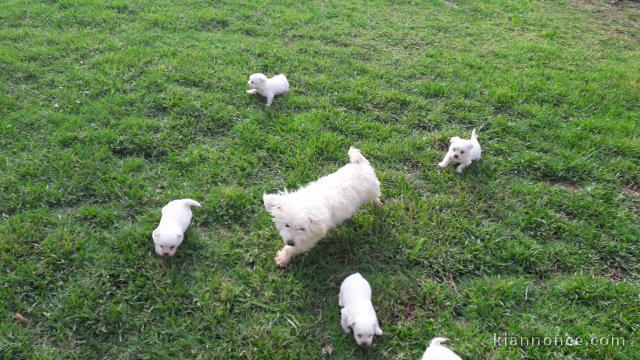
x,y
176,216
259,84
303,217
357,310
462,151
437,351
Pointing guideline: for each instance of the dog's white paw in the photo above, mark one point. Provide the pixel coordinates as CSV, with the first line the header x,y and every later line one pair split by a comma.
x,y
442,165
282,259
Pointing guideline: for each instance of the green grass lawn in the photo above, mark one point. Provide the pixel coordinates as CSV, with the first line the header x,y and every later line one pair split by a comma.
x,y
110,109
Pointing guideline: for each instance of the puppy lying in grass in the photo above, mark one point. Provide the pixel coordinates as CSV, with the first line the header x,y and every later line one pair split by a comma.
x,y
259,84
303,217
176,216
357,312
462,151
437,351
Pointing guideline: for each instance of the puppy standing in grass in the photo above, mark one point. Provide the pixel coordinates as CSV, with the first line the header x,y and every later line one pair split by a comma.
x,y
462,151
303,217
259,84
437,351
357,312
176,217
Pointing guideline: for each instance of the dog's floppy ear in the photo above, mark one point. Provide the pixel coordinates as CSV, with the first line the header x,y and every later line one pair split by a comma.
x,y
155,235
377,330
468,146
316,225
455,138
271,202
345,315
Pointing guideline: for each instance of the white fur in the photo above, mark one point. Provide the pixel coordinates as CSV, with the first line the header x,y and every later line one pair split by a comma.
x,y
303,217
176,217
437,351
462,151
357,312
258,83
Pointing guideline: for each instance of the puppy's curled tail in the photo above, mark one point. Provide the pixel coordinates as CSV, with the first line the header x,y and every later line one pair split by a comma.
x,y
356,157
191,202
437,341
474,136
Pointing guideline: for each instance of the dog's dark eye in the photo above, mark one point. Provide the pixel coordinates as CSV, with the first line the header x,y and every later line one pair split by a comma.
x,y
286,225
454,149
359,335
462,152
171,248
301,229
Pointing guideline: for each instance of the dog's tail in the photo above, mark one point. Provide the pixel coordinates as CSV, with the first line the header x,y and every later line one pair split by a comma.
x,y
437,341
356,157
191,202
474,136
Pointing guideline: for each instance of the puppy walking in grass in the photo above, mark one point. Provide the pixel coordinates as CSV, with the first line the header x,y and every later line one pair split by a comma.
x,y
269,88
303,217
176,217
357,313
437,351
462,151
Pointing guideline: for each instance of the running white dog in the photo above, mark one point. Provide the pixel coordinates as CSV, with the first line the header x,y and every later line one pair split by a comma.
x,y
437,351
303,217
462,151
357,312
259,84
176,216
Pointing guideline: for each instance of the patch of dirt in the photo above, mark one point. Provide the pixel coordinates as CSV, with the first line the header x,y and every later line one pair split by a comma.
x,y
566,186
586,4
451,4
614,13
631,192
613,275
408,312
413,166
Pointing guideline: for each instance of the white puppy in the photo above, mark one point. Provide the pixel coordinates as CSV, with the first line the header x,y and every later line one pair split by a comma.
x,y
437,351
176,216
258,83
462,151
357,312
303,217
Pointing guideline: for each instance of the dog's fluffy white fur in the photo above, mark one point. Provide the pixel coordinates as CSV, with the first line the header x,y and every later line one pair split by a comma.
x,y
437,351
462,151
267,87
176,217
303,217
357,312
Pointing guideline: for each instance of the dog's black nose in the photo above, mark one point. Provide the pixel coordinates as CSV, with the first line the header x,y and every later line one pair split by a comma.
x,y
290,243
455,156
166,254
